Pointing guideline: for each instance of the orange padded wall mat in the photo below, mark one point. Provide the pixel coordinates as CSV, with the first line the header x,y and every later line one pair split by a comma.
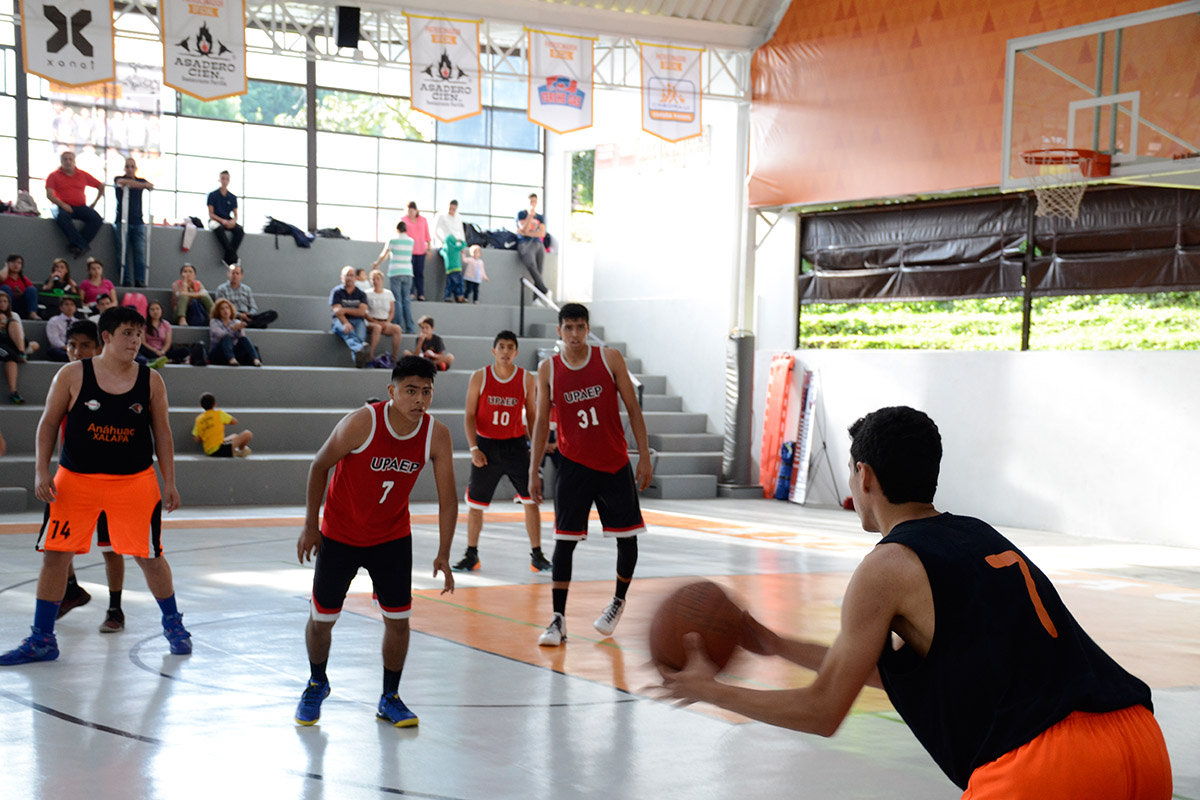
x,y
858,99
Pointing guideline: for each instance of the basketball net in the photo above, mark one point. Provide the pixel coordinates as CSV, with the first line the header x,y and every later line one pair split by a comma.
x,y
1059,178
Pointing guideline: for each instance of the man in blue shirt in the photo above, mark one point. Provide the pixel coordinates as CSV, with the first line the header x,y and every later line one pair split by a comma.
x,y
348,309
222,211
130,229
531,230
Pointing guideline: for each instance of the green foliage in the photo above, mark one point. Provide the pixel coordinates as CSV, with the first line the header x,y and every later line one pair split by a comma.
x,y
1163,321
583,168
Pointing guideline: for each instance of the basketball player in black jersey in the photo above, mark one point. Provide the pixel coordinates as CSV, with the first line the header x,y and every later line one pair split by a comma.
x,y
1015,702
116,412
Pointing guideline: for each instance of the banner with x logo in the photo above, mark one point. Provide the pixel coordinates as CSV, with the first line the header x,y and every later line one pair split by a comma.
x,y
69,41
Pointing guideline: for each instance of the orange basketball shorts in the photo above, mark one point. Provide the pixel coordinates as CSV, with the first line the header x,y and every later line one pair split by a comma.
x,y
1117,755
131,503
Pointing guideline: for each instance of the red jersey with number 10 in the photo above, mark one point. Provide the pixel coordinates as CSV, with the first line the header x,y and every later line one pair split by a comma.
x,y
501,404
367,503
589,417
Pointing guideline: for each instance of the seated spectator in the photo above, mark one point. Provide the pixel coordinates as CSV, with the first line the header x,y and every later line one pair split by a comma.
x,y
66,188
56,330
362,281
381,304
223,216
430,345
348,307
187,289
58,284
103,303
473,273
452,260
227,340
13,348
156,339
242,298
96,284
21,292
209,431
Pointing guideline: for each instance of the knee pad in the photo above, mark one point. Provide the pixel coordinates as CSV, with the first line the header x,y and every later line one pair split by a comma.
x,y
564,556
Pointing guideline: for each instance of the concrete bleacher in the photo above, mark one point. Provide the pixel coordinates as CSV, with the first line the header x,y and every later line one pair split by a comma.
x,y
309,381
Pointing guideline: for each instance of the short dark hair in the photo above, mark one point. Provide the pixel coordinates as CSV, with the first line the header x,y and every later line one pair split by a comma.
x,y
223,172
506,335
573,311
117,316
14,257
66,298
207,401
533,194
413,365
453,202
904,448
400,226
84,327
426,318
412,203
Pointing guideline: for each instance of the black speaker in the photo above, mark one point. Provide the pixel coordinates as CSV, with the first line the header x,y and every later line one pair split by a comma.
x,y
347,26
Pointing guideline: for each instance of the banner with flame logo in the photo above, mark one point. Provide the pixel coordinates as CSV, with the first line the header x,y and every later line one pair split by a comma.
x,y
444,61
69,41
671,91
560,80
204,47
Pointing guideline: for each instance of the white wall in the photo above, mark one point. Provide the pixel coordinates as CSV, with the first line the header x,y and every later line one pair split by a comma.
x,y
1101,444
666,243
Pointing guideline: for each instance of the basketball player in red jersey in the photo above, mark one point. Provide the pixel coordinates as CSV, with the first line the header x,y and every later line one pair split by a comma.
x,y
116,423
376,454
582,384
496,397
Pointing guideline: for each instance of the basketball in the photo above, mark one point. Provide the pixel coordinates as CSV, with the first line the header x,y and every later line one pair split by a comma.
x,y
703,608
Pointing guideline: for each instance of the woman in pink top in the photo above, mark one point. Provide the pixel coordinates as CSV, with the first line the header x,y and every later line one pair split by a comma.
x,y
96,284
418,229
186,289
156,343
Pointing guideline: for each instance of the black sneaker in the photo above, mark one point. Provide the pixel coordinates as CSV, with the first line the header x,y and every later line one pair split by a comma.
x,y
16,399
470,562
538,562
114,621
76,596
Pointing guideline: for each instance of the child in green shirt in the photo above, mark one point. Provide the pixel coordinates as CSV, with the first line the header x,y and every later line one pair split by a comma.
x,y
452,257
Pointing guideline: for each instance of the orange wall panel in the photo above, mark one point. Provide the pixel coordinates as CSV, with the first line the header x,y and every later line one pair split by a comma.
x,y
858,99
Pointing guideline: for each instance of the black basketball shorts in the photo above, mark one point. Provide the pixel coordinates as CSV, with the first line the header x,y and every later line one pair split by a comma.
x,y
576,487
505,457
389,565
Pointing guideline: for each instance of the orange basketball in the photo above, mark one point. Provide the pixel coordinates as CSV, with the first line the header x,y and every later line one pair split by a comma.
x,y
703,608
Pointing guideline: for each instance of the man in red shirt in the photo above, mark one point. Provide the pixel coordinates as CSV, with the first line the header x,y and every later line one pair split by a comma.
x,y
65,188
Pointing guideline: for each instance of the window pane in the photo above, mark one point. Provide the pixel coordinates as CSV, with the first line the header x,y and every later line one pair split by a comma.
x,y
8,159
276,145
349,187
189,204
201,175
273,181
508,200
344,75
342,151
513,129
162,205
273,104
468,163
519,168
405,157
395,79
8,116
374,115
398,192
355,221
472,130
198,137
286,68
510,92
229,108
472,197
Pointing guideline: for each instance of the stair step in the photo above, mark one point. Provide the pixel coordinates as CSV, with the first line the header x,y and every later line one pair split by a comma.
x,y
14,499
688,463
682,487
686,442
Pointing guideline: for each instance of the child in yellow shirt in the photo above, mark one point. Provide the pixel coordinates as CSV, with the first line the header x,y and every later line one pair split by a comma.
x,y
209,431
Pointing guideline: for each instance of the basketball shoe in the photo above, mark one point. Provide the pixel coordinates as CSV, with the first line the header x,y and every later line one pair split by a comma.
x,y
178,637
393,710
469,563
606,623
538,562
75,597
555,633
114,621
309,710
37,646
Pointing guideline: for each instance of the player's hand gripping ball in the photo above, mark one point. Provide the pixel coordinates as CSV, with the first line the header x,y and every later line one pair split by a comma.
x,y
703,608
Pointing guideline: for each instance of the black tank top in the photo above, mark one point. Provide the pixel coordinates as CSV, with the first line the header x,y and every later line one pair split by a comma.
x,y
1007,659
107,433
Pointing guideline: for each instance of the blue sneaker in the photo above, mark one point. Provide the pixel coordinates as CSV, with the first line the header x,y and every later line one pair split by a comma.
x,y
309,710
37,646
393,710
177,635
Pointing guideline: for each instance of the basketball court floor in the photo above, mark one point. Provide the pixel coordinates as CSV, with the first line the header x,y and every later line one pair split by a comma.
x,y
117,717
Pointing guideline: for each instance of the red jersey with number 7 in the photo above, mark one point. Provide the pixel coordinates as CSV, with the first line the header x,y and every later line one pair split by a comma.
x,y
367,502
589,416
501,405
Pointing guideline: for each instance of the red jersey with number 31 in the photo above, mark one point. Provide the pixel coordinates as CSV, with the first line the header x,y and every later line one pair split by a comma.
x,y
501,404
367,503
589,417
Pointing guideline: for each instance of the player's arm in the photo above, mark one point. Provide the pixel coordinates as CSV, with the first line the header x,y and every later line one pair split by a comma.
x,y
99,187
873,599
58,400
530,402
474,387
637,423
541,431
441,453
348,434
164,445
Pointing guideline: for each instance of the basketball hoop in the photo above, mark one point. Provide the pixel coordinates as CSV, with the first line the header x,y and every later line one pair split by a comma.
x,y
1059,178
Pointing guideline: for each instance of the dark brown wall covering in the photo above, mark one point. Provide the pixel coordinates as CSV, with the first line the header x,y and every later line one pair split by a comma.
x,y
1127,239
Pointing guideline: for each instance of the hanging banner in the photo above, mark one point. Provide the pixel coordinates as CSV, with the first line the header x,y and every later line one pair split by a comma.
x,y
671,91
560,80
69,41
444,65
204,47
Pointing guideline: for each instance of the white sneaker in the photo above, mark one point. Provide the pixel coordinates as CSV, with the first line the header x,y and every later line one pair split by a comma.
x,y
555,633
606,623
